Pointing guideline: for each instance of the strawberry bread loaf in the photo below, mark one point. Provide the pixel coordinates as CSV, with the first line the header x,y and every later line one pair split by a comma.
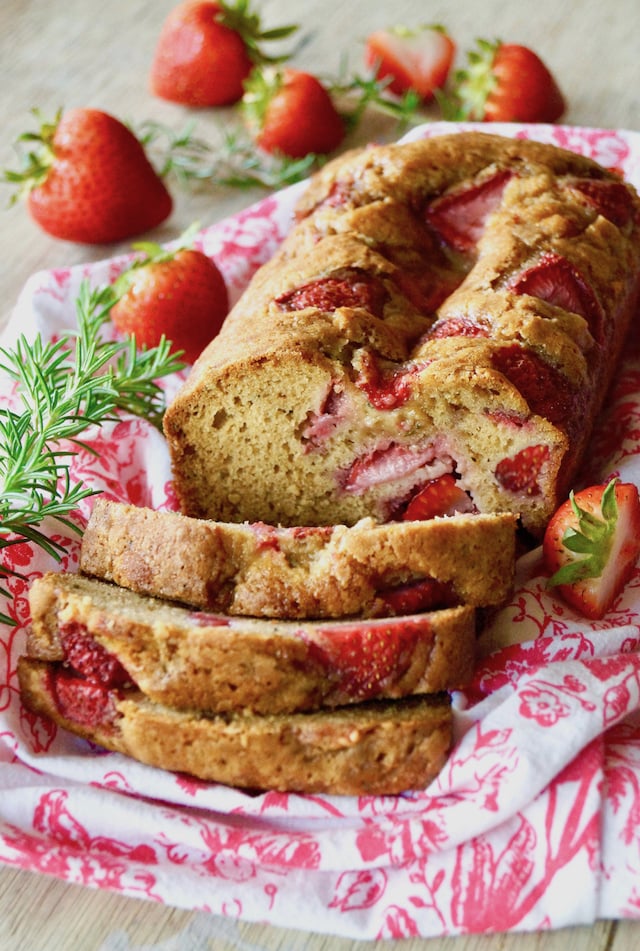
x,y
448,307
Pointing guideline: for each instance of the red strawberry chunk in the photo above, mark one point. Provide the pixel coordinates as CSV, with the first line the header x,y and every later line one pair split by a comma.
x,y
556,281
520,472
546,390
610,199
349,289
86,702
386,465
90,659
365,657
425,291
340,192
385,390
439,497
427,594
322,424
456,327
460,216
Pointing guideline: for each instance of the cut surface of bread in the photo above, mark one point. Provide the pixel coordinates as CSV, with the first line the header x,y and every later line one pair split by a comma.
x,y
217,663
376,748
303,572
454,306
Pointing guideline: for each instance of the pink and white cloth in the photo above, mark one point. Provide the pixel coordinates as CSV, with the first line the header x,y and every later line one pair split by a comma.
x,y
533,824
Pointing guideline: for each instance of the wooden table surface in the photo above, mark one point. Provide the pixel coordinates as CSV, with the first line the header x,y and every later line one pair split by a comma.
x,y
67,53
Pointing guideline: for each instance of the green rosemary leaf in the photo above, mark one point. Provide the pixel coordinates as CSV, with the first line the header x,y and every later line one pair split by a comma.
x,y
63,387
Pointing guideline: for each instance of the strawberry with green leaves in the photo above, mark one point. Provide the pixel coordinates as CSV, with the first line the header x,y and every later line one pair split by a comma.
x,y
180,295
291,113
418,59
504,82
87,178
206,50
591,546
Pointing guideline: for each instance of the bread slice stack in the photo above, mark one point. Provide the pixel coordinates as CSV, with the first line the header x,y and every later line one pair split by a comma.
x,y
314,660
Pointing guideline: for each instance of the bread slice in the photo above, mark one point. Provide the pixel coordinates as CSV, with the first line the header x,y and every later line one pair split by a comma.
x,y
376,748
216,663
334,571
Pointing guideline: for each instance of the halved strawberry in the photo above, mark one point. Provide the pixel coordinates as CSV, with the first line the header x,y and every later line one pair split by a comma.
x,y
366,656
348,288
386,464
609,198
555,280
418,59
459,216
520,473
592,544
547,391
442,496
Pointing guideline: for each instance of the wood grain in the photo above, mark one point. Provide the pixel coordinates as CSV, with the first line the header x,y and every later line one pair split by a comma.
x,y
67,53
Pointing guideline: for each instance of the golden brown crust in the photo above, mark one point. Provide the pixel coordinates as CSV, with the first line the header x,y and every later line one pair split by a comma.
x,y
213,663
264,571
284,371
366,749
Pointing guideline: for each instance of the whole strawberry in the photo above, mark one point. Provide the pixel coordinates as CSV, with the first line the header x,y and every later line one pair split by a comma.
x,y
179,294
591,545
291,113
505,82
87,179
206,50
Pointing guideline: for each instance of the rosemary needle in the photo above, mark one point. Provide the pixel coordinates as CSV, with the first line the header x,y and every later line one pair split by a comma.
x,y
63,387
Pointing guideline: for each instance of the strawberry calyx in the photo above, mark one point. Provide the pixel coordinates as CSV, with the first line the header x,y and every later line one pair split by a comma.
x,y
592,539
248,25
150,252
37,158
261,86
472,86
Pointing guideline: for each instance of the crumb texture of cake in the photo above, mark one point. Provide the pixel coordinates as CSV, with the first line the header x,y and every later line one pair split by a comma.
x,y
259,570
376,748
455,305
189,660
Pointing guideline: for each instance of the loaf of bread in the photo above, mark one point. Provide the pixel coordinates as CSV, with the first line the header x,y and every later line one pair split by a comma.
x,y
330,571
216,663
455,305
376,748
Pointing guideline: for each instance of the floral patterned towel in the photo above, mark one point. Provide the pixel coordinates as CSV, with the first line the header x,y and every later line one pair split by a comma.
x,y
534,822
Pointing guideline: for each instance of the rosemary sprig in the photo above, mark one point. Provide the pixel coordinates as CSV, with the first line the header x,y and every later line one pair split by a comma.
x,y
64,386
362,93
234,163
